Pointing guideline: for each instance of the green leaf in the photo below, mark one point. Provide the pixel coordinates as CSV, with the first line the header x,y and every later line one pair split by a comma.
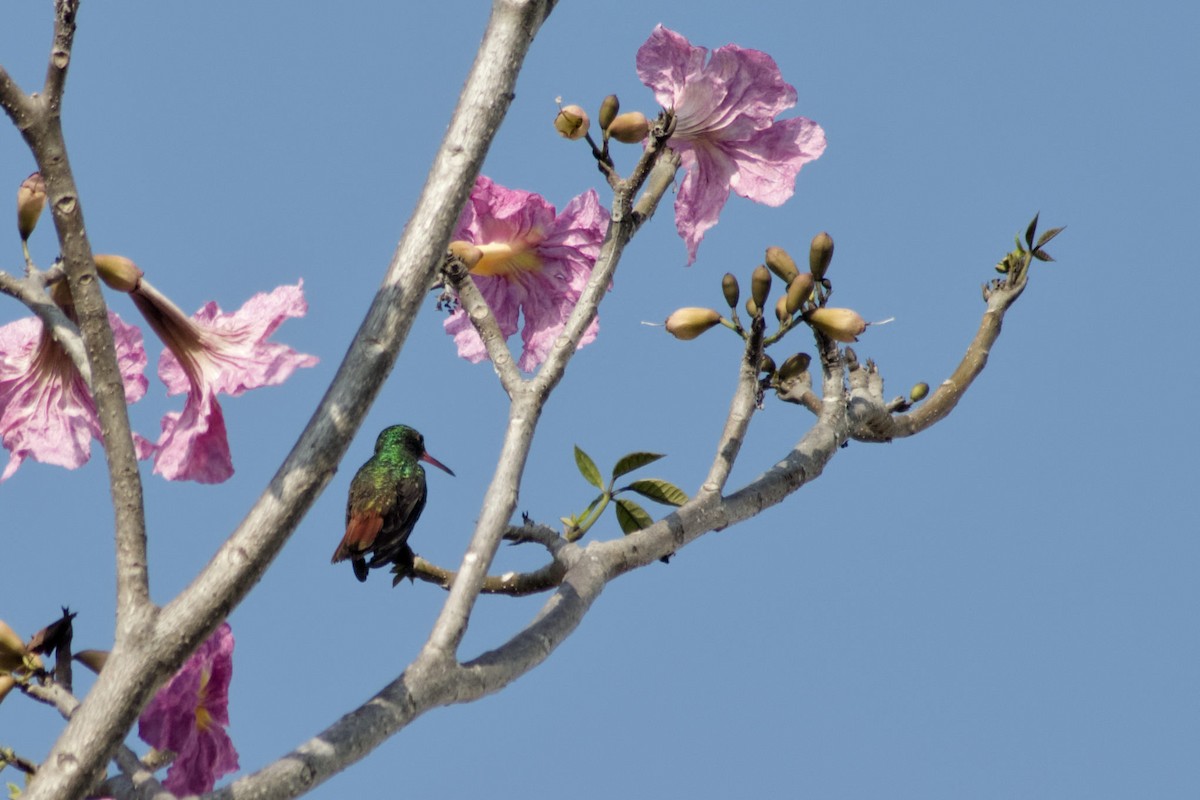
x,y
587,468
634,461
631,517
1048,235
1031,230
659,491
1042,255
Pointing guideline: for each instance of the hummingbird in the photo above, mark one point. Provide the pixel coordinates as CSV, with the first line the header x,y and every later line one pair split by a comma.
x,y
387,496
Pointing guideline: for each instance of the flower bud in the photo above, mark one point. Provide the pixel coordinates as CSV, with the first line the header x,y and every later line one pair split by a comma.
x,y
92,659
793,365
781,312
918,392
841,324
820,253
753,308
608,111
760,285
733,292
6,685
118,272
572,122
465,252
630,127
31,197
798,291
782,264
766,365
13,653
688,323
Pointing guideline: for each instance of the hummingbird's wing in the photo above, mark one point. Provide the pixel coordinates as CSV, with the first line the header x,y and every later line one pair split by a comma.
x,y
397,526
361,529
366,508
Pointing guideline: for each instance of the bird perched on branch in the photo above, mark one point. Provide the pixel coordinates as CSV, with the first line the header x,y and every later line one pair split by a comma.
x,y
387,496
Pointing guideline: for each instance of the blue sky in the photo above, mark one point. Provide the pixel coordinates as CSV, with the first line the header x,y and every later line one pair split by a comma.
x,y
1001,607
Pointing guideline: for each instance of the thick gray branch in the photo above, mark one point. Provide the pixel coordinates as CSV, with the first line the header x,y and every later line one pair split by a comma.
x,y
132,673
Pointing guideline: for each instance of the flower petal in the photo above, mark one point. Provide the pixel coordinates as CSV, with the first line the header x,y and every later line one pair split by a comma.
x,y
173,718
46,410
536,290
194,445
236,355
726,132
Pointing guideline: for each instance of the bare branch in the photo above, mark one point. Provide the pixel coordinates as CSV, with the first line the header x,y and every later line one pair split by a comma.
x,y
38,119
741,410
875,424
515,584
60,53
18,105
459,278
9,757
61,699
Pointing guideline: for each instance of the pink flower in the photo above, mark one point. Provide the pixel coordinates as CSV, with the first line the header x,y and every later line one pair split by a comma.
x,y
189,715
725,131
46,410
209,353
534,264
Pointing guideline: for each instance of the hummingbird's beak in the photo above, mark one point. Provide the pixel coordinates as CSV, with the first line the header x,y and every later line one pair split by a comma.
x,y
428,459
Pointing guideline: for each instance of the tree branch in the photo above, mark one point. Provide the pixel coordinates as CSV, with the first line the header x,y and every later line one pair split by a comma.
x,y
741,411
873,422
30,290
65,702
433,681
480,314
515,584
60,54
133,673
526,405
38,118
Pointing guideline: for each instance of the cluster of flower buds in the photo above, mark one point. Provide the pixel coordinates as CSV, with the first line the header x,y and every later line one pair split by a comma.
x,y
805,293
17,661
803,299
572,122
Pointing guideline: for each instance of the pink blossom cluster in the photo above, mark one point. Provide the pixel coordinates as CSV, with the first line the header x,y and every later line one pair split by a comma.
x,y
47,412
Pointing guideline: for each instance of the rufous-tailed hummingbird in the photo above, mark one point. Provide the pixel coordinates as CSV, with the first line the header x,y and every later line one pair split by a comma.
x,y
387,496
